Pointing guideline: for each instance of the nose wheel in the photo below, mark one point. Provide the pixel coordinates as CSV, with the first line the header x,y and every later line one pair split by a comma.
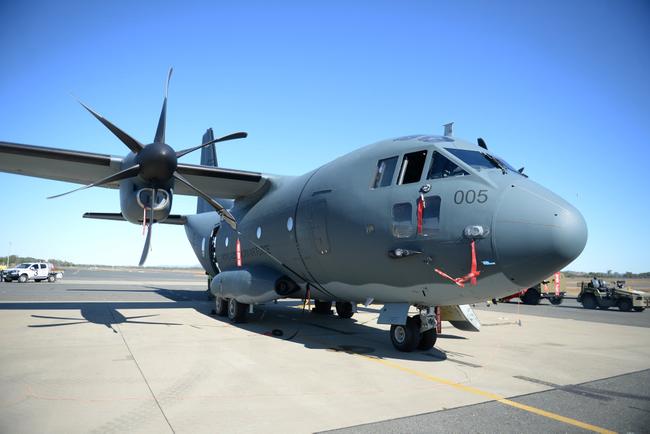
x,y
405,337
418,332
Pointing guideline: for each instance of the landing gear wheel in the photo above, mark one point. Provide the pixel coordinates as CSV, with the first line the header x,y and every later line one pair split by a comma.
x,y
639,308
555,300
589,301
220,306
237,311
51,279
427,340
323,306
532,297
344,309
405,337
625,304
22,278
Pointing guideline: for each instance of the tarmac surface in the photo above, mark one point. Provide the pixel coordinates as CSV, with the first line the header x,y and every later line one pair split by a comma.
x,y
116,351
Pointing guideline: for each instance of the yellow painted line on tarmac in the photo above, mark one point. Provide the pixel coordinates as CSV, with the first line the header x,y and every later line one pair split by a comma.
x,y
489,395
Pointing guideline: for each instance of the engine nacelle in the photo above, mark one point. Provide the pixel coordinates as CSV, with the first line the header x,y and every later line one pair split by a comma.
x,y
135,200
257,284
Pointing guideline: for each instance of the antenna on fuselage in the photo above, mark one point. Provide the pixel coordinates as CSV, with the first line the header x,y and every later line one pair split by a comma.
x,y
449,129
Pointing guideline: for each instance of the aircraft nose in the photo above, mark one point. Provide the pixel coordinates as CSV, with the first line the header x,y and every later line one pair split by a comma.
x,y
535,234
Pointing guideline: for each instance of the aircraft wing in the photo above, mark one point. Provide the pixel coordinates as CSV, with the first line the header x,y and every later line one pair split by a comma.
x,y
59,164
85,167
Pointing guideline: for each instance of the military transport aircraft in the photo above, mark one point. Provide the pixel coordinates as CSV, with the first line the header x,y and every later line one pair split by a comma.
x,y
420,220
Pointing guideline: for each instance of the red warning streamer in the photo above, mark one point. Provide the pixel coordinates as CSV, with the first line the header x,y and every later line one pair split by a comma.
x,y
238,253
420,214
471,276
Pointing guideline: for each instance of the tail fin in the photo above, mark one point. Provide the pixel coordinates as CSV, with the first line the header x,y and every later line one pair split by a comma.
x,y
208,158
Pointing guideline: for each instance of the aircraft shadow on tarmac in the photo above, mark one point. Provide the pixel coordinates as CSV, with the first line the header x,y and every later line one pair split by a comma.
x,y
283,320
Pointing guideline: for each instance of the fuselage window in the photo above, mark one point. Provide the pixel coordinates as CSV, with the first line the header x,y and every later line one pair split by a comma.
x,y
431,216
412,165
442,167
385,171
403,220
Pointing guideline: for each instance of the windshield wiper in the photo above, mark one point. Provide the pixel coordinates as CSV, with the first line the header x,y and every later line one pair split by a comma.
x,y
496,162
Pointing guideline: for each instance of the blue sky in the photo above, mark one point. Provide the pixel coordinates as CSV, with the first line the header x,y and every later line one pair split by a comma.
x,y
558,87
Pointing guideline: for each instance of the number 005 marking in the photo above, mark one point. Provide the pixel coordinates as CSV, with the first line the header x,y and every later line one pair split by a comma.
x,y
470,196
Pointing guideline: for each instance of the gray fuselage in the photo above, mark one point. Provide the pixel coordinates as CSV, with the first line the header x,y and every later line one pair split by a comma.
x,y
339,226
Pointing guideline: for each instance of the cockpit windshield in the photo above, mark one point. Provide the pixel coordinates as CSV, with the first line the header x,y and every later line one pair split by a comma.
x,y
482,160
476,159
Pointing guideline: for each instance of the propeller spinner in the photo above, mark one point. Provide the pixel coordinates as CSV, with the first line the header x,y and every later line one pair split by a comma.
x,y
156,164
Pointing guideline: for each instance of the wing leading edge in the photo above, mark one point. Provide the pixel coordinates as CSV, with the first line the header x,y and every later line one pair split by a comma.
x,y
85,167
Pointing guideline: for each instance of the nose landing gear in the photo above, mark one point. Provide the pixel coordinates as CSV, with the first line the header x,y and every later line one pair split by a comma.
x,y
419,331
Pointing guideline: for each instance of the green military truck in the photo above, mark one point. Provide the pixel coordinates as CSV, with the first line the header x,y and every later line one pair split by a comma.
x,y
599,294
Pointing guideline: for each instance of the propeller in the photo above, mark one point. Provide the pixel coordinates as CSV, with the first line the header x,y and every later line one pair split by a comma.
x,y
156,164
147,242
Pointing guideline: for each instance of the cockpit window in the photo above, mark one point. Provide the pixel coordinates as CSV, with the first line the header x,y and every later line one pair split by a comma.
x,y
505,164
412,165
441,167
483,160
385,171
476,159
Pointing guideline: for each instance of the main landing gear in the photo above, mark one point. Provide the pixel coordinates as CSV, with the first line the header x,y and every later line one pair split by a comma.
x,y
235,310
344,309
418,332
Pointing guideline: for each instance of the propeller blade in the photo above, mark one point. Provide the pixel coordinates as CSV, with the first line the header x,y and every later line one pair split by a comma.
x,y
147,243
233,136
129,141
145,250
126,173
482,143
223,212
162,122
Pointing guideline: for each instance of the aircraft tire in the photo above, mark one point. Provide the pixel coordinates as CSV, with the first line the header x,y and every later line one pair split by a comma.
x,y
344,309
220,306
427,340
405,337
589,301
323,307
237,311
639,308
625,304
